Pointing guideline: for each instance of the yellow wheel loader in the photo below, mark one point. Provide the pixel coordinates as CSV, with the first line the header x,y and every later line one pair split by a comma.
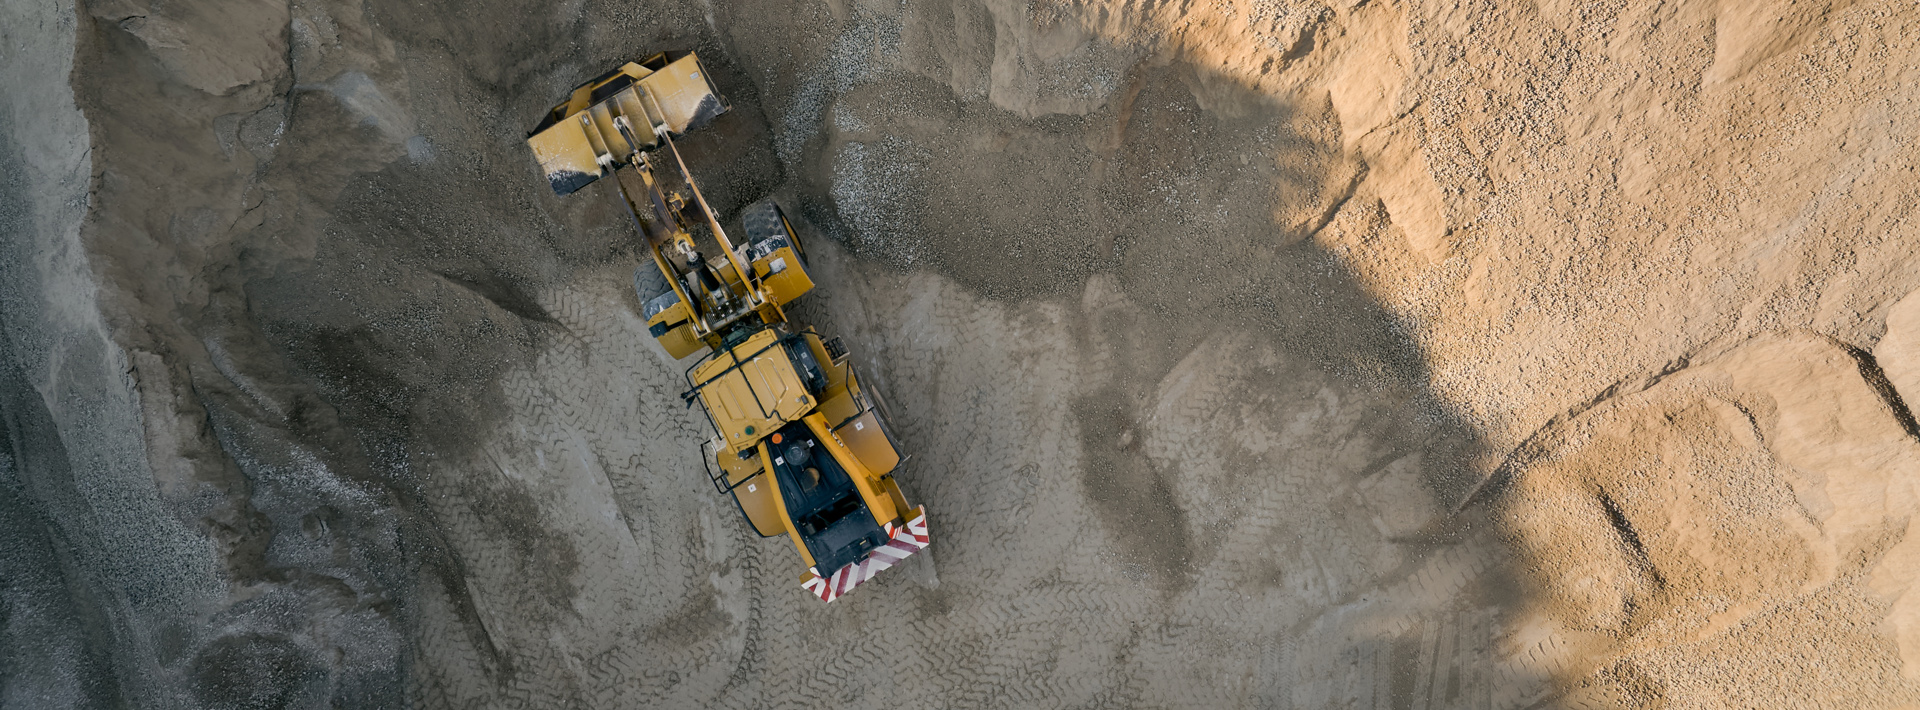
x,y
801,443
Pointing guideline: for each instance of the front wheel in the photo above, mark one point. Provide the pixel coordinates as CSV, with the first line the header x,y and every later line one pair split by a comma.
x,y
769,229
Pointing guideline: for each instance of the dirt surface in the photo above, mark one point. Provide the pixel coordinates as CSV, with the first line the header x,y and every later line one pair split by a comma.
x,y
1252,353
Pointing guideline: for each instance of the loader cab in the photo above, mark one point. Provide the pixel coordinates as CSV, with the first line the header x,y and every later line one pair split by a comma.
x,y
828,514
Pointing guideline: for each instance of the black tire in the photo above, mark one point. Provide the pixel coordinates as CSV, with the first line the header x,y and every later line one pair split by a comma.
x,y
765,220
794,237
648,284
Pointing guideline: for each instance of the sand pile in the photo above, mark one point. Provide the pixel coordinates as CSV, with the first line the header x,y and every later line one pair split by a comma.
x,y
1267,353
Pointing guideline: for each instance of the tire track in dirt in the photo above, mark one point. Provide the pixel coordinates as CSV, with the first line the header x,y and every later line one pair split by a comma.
x,y
1026,597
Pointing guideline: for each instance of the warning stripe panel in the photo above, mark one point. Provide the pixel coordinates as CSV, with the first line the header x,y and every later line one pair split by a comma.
x,y
902,543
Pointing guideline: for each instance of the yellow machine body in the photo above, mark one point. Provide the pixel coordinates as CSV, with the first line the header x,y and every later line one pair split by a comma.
x,y
802,445
754,389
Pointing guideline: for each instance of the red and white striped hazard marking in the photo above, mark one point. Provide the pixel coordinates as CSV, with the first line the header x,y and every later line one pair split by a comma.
x,y
906,540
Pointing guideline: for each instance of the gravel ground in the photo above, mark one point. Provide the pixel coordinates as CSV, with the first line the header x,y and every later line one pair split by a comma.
x,y
1276,354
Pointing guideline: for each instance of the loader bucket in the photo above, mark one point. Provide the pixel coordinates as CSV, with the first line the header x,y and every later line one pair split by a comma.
x,y
607,122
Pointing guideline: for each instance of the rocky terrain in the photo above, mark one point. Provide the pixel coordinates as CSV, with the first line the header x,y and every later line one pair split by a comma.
x,y
1253,353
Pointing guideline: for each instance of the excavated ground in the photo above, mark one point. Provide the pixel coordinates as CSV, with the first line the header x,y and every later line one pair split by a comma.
x,y
1254,353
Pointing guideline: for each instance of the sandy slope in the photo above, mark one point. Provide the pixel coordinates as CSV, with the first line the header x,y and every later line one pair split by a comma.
x,y
1254,354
